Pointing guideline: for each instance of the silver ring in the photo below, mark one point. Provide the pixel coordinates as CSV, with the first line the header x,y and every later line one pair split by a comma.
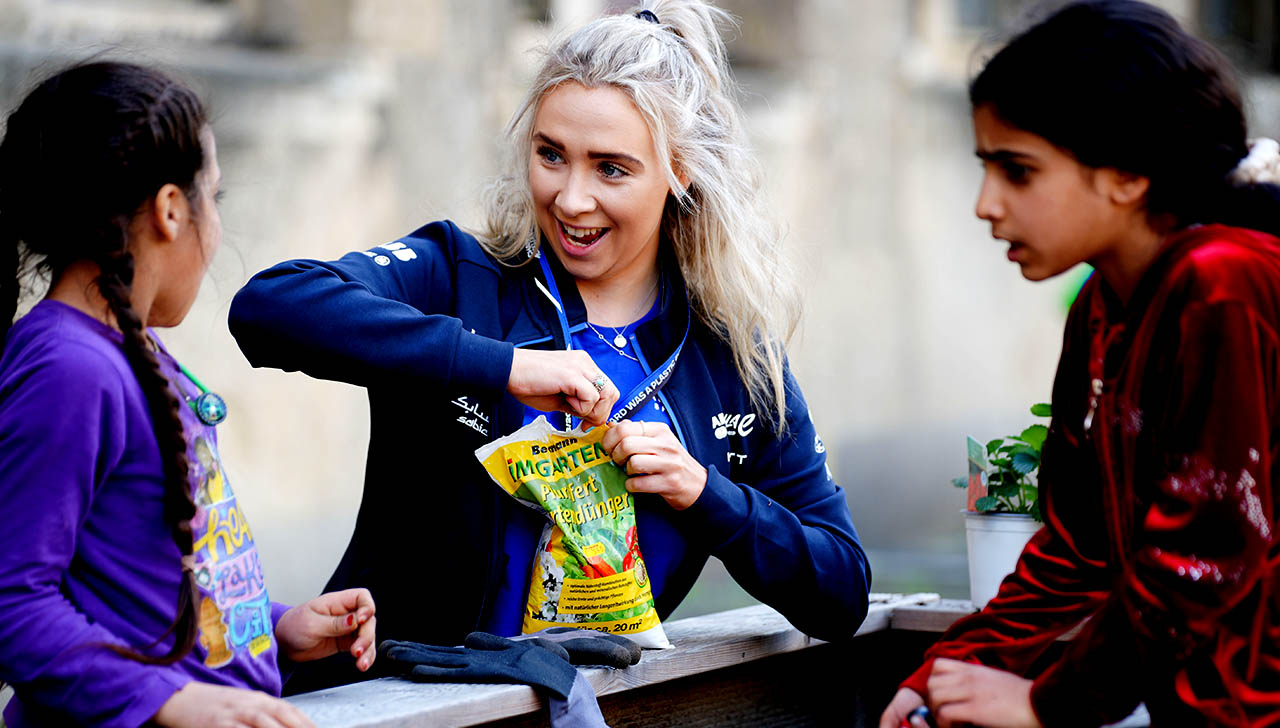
x,y
643,431
599,382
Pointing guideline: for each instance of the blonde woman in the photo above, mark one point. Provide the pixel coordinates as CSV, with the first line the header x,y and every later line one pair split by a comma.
x,y
627,273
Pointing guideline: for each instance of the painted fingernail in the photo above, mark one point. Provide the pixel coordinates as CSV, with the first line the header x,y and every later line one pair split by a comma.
x,y
351,620
359,651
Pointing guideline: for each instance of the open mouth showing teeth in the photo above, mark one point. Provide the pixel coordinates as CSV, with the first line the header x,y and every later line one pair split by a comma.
x,y
583,237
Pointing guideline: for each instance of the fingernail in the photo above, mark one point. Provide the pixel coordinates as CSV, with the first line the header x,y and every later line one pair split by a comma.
x,y
359,651
351,620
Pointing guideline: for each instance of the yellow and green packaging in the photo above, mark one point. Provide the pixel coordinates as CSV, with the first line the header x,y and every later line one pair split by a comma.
x,y
587,571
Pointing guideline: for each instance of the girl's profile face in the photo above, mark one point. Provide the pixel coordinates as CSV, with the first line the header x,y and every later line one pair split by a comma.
x,y
1052,210
598,184
198,243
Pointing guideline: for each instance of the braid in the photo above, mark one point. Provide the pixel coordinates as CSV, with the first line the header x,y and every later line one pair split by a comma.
x,y
10,286
114,284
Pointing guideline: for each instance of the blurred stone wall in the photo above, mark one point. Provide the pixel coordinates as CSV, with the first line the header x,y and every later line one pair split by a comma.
x,y
345,123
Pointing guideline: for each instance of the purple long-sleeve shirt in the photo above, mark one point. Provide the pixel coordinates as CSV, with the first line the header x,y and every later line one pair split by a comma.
x,y
86,557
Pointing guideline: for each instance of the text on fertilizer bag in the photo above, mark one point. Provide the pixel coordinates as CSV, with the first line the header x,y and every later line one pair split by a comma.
x,y
564,461
607,594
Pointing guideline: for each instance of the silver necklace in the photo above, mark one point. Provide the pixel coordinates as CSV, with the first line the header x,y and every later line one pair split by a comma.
x,y
619,348
619,343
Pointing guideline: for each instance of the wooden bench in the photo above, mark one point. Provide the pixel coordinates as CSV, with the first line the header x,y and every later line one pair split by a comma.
x,y
742,667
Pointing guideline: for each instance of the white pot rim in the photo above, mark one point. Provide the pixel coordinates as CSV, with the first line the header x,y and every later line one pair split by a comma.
x,y
976,514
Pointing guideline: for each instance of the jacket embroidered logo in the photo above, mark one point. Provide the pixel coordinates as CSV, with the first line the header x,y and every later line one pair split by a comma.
x,y
726,424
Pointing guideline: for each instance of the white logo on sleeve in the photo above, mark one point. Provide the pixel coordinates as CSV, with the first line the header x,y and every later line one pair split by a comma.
x,y
818,447
725,424
400,251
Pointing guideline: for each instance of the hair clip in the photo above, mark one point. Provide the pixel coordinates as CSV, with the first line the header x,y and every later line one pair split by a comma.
x,y
648,15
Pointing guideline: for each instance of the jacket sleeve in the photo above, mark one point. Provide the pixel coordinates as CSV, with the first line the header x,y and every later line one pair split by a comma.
x,y
788,537
386,311
1053,588
1203,532
60,431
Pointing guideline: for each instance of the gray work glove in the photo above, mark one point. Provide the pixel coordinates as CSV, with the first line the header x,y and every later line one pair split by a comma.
x,y
588,646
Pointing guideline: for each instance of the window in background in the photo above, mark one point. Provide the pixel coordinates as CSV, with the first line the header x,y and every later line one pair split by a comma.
x,y
1247,30
538,11
976,13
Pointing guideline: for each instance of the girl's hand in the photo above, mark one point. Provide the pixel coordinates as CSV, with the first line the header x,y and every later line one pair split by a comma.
x,y
200,705
895,716
961,693
331,623
561,381
657,462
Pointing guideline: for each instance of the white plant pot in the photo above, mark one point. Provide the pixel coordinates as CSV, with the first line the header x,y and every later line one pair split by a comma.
x,y
995,540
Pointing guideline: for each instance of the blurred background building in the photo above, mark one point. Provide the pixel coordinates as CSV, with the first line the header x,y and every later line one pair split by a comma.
x,y
343,124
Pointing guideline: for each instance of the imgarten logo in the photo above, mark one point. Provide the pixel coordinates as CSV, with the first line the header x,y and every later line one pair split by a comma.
x,y
726,424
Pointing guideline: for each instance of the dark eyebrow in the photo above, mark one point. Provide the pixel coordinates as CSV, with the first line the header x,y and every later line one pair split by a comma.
x,y
539,136
1002,155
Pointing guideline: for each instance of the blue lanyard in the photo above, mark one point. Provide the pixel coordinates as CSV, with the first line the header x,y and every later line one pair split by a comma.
x,y
642,392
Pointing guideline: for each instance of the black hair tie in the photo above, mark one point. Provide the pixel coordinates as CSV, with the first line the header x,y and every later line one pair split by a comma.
x,y
649,16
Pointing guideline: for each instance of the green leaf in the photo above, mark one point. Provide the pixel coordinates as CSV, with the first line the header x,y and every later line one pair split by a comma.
x,y
994,445
986,504
1034,436
960,482
1043,409
1004,490
1024,463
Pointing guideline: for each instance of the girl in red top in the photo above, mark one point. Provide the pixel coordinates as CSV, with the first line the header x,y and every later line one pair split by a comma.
x,y
1110,136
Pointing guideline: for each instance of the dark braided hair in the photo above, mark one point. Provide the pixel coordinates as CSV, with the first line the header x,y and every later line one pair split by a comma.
x,y
122,131
1118,83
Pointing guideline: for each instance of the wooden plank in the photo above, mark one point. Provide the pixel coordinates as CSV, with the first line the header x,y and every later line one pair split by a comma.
x,y
933,617
702,644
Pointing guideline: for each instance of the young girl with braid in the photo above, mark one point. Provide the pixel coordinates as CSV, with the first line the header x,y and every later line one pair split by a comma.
x,y
130,586
1109,135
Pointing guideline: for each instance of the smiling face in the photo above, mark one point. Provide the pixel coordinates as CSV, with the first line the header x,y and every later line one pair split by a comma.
x,y
1052,210
598,185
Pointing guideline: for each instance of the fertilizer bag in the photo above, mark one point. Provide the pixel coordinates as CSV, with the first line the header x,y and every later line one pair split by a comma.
x,y
587,571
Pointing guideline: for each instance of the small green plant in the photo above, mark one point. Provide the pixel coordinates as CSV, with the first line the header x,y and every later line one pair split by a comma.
x,y
1008,470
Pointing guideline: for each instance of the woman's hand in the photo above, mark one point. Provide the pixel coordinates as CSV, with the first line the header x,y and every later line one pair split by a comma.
x,y
561,381
331,623
656,462
199,705
961,692
895,716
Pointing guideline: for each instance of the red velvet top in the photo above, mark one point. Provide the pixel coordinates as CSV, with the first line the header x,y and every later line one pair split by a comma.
x,y
1159,516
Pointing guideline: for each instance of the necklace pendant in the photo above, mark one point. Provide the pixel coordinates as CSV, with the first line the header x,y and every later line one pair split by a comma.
x,y
620,341
210,409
